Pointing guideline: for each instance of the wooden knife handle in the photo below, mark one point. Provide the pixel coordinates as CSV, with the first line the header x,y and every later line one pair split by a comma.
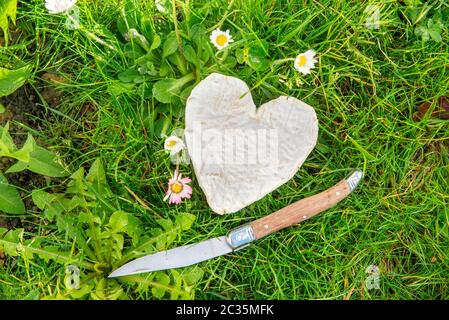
x,y
306,208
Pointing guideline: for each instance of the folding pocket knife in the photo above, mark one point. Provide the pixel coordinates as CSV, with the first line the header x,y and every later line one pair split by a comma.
x,y
242,236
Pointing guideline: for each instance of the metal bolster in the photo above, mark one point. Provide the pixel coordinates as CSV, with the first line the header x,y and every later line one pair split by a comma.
x,y
354,179
240,237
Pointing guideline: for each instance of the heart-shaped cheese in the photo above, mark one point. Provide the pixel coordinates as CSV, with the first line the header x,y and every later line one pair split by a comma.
x,y
240,153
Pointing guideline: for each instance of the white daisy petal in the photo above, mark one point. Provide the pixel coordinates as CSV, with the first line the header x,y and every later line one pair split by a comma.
x,y
173,144
59,6
310,53
304,62
160,6
220,39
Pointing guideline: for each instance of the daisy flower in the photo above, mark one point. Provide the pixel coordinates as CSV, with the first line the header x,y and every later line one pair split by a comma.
x,y
178,189
72,22
59,6
304,62
220,39
161,5
174,145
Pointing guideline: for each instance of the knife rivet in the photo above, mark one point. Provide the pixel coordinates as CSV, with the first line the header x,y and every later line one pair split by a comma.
x,y
338,193
304,217
266,226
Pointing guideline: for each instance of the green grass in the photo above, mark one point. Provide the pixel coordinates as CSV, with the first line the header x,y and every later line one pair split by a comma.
x,y
365,89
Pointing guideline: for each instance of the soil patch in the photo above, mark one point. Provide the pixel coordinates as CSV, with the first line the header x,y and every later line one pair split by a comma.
x,y
21,107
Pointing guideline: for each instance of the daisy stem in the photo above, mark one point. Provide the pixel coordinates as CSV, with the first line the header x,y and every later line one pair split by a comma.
x,y
177,164
225,54
178,34
280,61
100,41
90,34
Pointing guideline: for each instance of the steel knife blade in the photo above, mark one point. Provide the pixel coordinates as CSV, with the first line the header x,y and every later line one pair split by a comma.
x,y
242,236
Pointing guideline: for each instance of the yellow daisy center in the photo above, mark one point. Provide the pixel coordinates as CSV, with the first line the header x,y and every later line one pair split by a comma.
x,y
221,40
171,143
302,61
176,187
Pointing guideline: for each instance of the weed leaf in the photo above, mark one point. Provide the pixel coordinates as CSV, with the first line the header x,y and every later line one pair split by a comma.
x,y
11,80
10,201
8,8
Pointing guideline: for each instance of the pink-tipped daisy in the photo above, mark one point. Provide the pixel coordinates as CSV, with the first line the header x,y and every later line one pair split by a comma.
x,y
178,189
